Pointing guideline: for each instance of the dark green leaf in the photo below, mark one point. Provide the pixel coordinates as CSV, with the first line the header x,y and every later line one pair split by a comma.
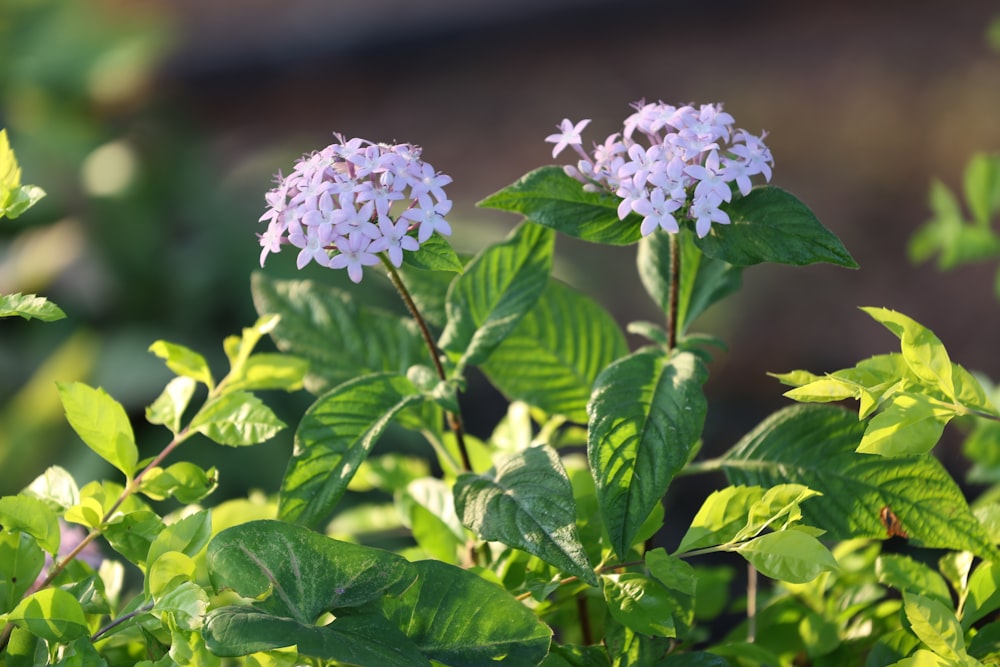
x,y
334,436
552,358
526,502
21,560
814,445
458,618
549,197
339,338
646,414
435,254
499,286
771,225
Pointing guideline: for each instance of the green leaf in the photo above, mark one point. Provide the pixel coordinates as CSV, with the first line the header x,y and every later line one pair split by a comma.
x,y
187,536
350,640
549,197
31,516
553,356
428,504
721,517
236,419
907,424
184,481
641,603
169,406
788,555
905,574
15,198
334,436
21,561
935,625
52,614
132,534
56,487
184,361
771,225
646,414
499,286
679,578
339,338
457,618
29,306
526,502
101,423
434,254
703,280
984,593
293,572
982,187
429,290
167,570
270,371
923,351
814,445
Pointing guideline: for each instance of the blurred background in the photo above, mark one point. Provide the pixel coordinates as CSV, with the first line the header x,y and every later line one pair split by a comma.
x,y
156,126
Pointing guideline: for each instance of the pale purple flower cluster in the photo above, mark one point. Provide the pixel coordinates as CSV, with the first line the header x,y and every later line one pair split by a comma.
x,y
354,199
686,170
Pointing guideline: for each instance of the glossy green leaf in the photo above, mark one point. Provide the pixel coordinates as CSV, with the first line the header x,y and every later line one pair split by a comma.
x,y
184,481
907,424
721,517
56,487
984,593
101,423
646,414
814,445
500,285
923,351
270,371
31,516
187,536
184,361
52,614
435,254
553,356
21,560
236,419
771,225
788,555
132,534
169,406
350,640
458,618
293,572
905,574
334,436
935,625
29,306
526,502
549,197
340,338
641,603
703,280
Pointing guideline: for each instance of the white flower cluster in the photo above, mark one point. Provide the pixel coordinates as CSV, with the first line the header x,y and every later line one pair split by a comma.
x,y
354,199
692,158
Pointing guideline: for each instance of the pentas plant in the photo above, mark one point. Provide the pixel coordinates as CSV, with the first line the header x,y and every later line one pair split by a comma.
x,y
516,548
693,159
343,205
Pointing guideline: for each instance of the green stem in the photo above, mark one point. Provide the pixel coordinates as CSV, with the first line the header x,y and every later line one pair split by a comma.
x,y
454,419
675,273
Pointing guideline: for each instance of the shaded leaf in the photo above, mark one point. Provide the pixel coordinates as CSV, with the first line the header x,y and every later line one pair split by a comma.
x,y
526,502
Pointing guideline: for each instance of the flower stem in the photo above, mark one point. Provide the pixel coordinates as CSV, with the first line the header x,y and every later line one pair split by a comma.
x,y
454,418
675,274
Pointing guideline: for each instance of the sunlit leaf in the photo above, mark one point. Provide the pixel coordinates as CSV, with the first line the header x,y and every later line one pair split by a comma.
x,y
29,306
101,423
